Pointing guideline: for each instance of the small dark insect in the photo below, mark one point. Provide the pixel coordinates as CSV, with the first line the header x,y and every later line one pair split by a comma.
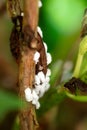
x,y
76,83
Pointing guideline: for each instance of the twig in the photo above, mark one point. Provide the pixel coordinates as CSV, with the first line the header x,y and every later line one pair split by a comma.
x,y
24,43
26,78
31,14
26,64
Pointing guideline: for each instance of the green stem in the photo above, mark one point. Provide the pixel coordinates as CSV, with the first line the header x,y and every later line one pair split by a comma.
x,y
78,65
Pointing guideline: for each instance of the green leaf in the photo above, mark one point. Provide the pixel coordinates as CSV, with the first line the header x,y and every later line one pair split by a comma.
x,y
84,66
79,98
65,14
83,70
9,102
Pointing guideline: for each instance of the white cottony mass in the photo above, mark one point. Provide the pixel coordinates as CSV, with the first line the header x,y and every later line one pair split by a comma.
x,y
39,4
37,80
37,105
36,57
40,31
49,58
45,45
28,94
41,82
41,76
48,72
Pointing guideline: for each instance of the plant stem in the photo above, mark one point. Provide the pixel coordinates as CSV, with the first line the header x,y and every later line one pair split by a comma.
x,y
26,77
31,14
78,65
27,65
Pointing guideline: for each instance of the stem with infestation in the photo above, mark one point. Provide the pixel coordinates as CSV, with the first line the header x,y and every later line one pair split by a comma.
x,y
27,65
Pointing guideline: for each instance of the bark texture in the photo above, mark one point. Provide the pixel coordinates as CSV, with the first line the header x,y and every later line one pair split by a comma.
x,y
27,65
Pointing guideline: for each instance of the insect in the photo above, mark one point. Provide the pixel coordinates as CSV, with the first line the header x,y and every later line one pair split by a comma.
x,y
76,83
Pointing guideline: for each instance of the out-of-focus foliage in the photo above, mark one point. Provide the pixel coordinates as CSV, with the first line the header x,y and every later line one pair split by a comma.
x,y
61,23
55,99
65,15
8,102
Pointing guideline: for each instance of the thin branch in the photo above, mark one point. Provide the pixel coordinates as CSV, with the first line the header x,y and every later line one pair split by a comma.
x,y
26,78
27,65
31,14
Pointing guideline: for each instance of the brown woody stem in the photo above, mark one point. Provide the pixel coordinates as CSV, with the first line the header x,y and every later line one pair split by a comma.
x,y
31,14
26,78
27,65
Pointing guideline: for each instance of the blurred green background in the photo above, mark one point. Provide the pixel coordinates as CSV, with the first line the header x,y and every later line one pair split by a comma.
x,y
60,21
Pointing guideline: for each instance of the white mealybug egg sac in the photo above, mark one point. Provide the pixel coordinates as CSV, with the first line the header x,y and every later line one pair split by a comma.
x,y
36,57
39,4
39,31
28,94
42,79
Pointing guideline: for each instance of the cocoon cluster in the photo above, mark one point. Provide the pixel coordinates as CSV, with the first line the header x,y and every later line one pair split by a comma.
x,y
31,96
41,83
36,57
39,4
